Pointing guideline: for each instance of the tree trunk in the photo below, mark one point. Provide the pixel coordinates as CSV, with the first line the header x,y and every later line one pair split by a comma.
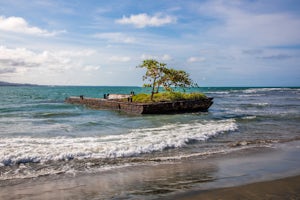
x,y
153,87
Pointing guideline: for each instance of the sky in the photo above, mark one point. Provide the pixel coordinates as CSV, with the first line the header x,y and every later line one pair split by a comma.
x,y
100,43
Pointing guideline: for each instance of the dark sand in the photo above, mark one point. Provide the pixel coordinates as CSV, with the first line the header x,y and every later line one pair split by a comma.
x,y
259,173
286,188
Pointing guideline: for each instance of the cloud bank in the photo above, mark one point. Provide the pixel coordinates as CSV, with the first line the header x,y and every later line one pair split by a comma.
x,y
21,59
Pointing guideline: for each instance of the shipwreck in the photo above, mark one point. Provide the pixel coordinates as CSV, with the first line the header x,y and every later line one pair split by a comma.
x,y
123,103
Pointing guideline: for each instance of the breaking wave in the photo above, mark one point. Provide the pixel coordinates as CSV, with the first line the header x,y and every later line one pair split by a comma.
x,y
137,141
255,90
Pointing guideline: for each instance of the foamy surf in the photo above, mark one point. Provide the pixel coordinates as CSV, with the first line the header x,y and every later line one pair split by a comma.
x,y
137,141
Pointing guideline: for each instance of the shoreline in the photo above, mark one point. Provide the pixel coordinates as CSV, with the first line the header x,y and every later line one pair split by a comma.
x,y
248,172
284,188
277,177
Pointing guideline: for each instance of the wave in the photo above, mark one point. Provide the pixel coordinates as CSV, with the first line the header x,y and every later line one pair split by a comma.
x,y
252,92
262,142
261,104
251,95
54,114
138,141
249,117
256,105
218,92
256,90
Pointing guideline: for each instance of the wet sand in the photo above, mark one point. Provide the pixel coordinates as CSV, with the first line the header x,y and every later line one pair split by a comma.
x,y
286,188
259,173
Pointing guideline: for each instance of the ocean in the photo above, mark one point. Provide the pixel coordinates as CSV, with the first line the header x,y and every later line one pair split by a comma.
x,y
45,140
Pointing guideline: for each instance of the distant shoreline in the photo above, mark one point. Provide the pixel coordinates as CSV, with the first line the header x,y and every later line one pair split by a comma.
x,y
2,83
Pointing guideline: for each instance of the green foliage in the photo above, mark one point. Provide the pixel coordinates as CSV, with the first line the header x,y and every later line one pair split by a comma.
x,y
176,78
154,74
159,75
141,98
167,97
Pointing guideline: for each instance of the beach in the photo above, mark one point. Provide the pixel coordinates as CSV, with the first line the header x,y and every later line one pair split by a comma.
x,y
247,141
252,174
276,182
286,188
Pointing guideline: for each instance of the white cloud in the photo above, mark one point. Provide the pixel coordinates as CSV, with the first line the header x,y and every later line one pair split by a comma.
x,y
270,29
142,20
22,59
115,37
119,59
146,56
20,25
164,57
255,28
195,59
6,70
74,53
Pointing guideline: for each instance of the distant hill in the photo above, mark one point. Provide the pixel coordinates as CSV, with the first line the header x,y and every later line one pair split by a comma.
x,y
2,83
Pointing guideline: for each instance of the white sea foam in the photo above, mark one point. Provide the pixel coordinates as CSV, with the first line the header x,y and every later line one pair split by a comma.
x,y
261,104
251,95
255,90
249,117
138,141
218,92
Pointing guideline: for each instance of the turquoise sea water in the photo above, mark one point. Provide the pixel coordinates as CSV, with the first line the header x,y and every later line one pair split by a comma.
x,y
40,135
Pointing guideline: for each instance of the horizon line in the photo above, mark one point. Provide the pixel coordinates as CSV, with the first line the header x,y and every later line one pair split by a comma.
x,y
75,85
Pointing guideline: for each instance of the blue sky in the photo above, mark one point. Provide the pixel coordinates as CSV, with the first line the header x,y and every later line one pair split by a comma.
x,y
95,42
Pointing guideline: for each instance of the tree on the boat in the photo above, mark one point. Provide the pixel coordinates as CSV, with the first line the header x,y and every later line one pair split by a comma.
x,y
160,76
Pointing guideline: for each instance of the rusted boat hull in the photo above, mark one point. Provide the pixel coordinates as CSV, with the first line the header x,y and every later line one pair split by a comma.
x,y
144,108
